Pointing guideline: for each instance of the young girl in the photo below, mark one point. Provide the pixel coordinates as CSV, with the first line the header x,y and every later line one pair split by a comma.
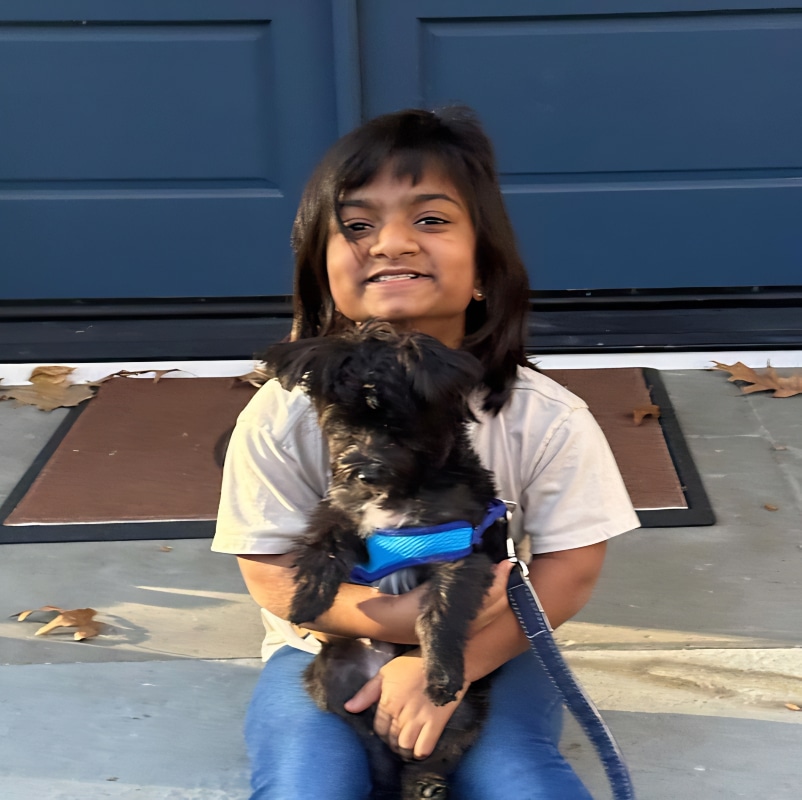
x,y
404,221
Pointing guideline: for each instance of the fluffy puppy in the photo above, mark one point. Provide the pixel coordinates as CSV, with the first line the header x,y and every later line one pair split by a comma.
x,y
393,409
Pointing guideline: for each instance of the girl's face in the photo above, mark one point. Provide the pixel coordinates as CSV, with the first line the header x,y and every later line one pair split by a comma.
x,y
412,257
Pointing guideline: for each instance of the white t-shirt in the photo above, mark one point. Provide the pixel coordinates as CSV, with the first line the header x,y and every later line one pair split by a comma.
x,y
544,448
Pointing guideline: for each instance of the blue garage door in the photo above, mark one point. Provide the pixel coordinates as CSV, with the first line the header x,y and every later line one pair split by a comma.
x,y
641,145
156,148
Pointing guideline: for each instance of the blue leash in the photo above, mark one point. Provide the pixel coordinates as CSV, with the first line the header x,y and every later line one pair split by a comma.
x,y
524,602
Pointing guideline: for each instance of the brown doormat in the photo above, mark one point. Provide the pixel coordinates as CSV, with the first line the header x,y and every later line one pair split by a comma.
x,y
138,460
140,451
640,450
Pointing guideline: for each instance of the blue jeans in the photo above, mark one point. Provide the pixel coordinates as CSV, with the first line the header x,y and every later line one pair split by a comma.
x,y
299,752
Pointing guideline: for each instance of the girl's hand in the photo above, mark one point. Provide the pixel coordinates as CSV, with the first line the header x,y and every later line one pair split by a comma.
x,y
405,717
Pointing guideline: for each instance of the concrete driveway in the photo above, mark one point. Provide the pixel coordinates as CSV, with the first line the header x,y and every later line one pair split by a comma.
x,y
690,645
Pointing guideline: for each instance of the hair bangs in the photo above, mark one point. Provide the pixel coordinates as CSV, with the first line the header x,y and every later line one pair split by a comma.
x,y
405,161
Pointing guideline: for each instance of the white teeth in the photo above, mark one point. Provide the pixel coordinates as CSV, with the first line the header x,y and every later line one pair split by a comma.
x,y
384,278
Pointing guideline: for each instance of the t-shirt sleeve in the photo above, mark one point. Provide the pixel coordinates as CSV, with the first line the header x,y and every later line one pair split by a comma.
x,y
274,474
574,495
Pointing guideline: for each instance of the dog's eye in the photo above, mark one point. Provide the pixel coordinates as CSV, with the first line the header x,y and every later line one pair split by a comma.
x,y
370,474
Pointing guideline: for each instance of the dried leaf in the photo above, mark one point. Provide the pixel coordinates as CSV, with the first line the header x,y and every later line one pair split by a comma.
x,y
793,707
766,380
158,374
770,507
166,549
257,377
48,397
54,374
23,615
49,389
80,618
639,413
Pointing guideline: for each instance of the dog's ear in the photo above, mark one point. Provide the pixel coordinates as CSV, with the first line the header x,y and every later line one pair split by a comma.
x,y
330,370
309,363
441,375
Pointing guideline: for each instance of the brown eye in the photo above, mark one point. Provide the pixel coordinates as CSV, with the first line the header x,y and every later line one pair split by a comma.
x,y
356,227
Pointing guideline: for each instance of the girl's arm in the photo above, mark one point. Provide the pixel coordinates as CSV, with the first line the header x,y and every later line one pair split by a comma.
x,y
405,718
357,610
563,580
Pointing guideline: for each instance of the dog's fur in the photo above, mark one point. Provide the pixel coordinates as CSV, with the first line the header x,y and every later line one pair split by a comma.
x,y
393,408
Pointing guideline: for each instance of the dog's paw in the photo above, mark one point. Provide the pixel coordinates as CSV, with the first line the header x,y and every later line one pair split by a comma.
x,y
443,682
443,690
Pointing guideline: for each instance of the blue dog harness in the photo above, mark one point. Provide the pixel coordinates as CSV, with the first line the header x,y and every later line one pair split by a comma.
x,y
392,549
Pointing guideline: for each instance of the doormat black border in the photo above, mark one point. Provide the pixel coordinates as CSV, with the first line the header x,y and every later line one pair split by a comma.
x,y
699,511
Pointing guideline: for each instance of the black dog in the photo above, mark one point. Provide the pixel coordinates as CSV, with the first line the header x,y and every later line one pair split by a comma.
x,y
393,408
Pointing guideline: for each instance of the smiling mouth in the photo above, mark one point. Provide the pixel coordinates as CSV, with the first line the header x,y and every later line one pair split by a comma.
x,y
407,276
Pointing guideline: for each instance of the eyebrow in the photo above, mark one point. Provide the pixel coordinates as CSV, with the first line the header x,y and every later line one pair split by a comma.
x,y
416,200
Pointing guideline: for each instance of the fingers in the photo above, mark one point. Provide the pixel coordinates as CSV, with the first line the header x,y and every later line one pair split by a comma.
x,y
405,718
502,573
369,694
427,740
401,733
404,738
413,730
382,723
504,567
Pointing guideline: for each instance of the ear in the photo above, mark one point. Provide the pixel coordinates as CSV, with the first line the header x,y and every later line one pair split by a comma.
x,y
290,361
309,363
441,375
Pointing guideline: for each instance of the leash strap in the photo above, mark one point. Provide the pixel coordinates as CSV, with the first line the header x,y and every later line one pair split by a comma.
x,y
524,602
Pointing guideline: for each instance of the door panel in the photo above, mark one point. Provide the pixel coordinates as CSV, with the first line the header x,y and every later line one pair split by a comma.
x,y
649,150
159,152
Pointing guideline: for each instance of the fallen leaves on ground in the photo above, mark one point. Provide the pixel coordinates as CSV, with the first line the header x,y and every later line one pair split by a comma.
x,y
50,388
158,374
257,377
765,380
641,412
793,707
81,618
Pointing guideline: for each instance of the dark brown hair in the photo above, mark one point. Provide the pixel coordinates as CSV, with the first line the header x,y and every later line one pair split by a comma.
x,y
451,141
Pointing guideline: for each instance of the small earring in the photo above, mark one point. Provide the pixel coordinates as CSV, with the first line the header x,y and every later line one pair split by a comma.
x,y
478,294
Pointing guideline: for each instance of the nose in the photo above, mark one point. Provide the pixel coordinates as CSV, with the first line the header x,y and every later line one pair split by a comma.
x,y
394,239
